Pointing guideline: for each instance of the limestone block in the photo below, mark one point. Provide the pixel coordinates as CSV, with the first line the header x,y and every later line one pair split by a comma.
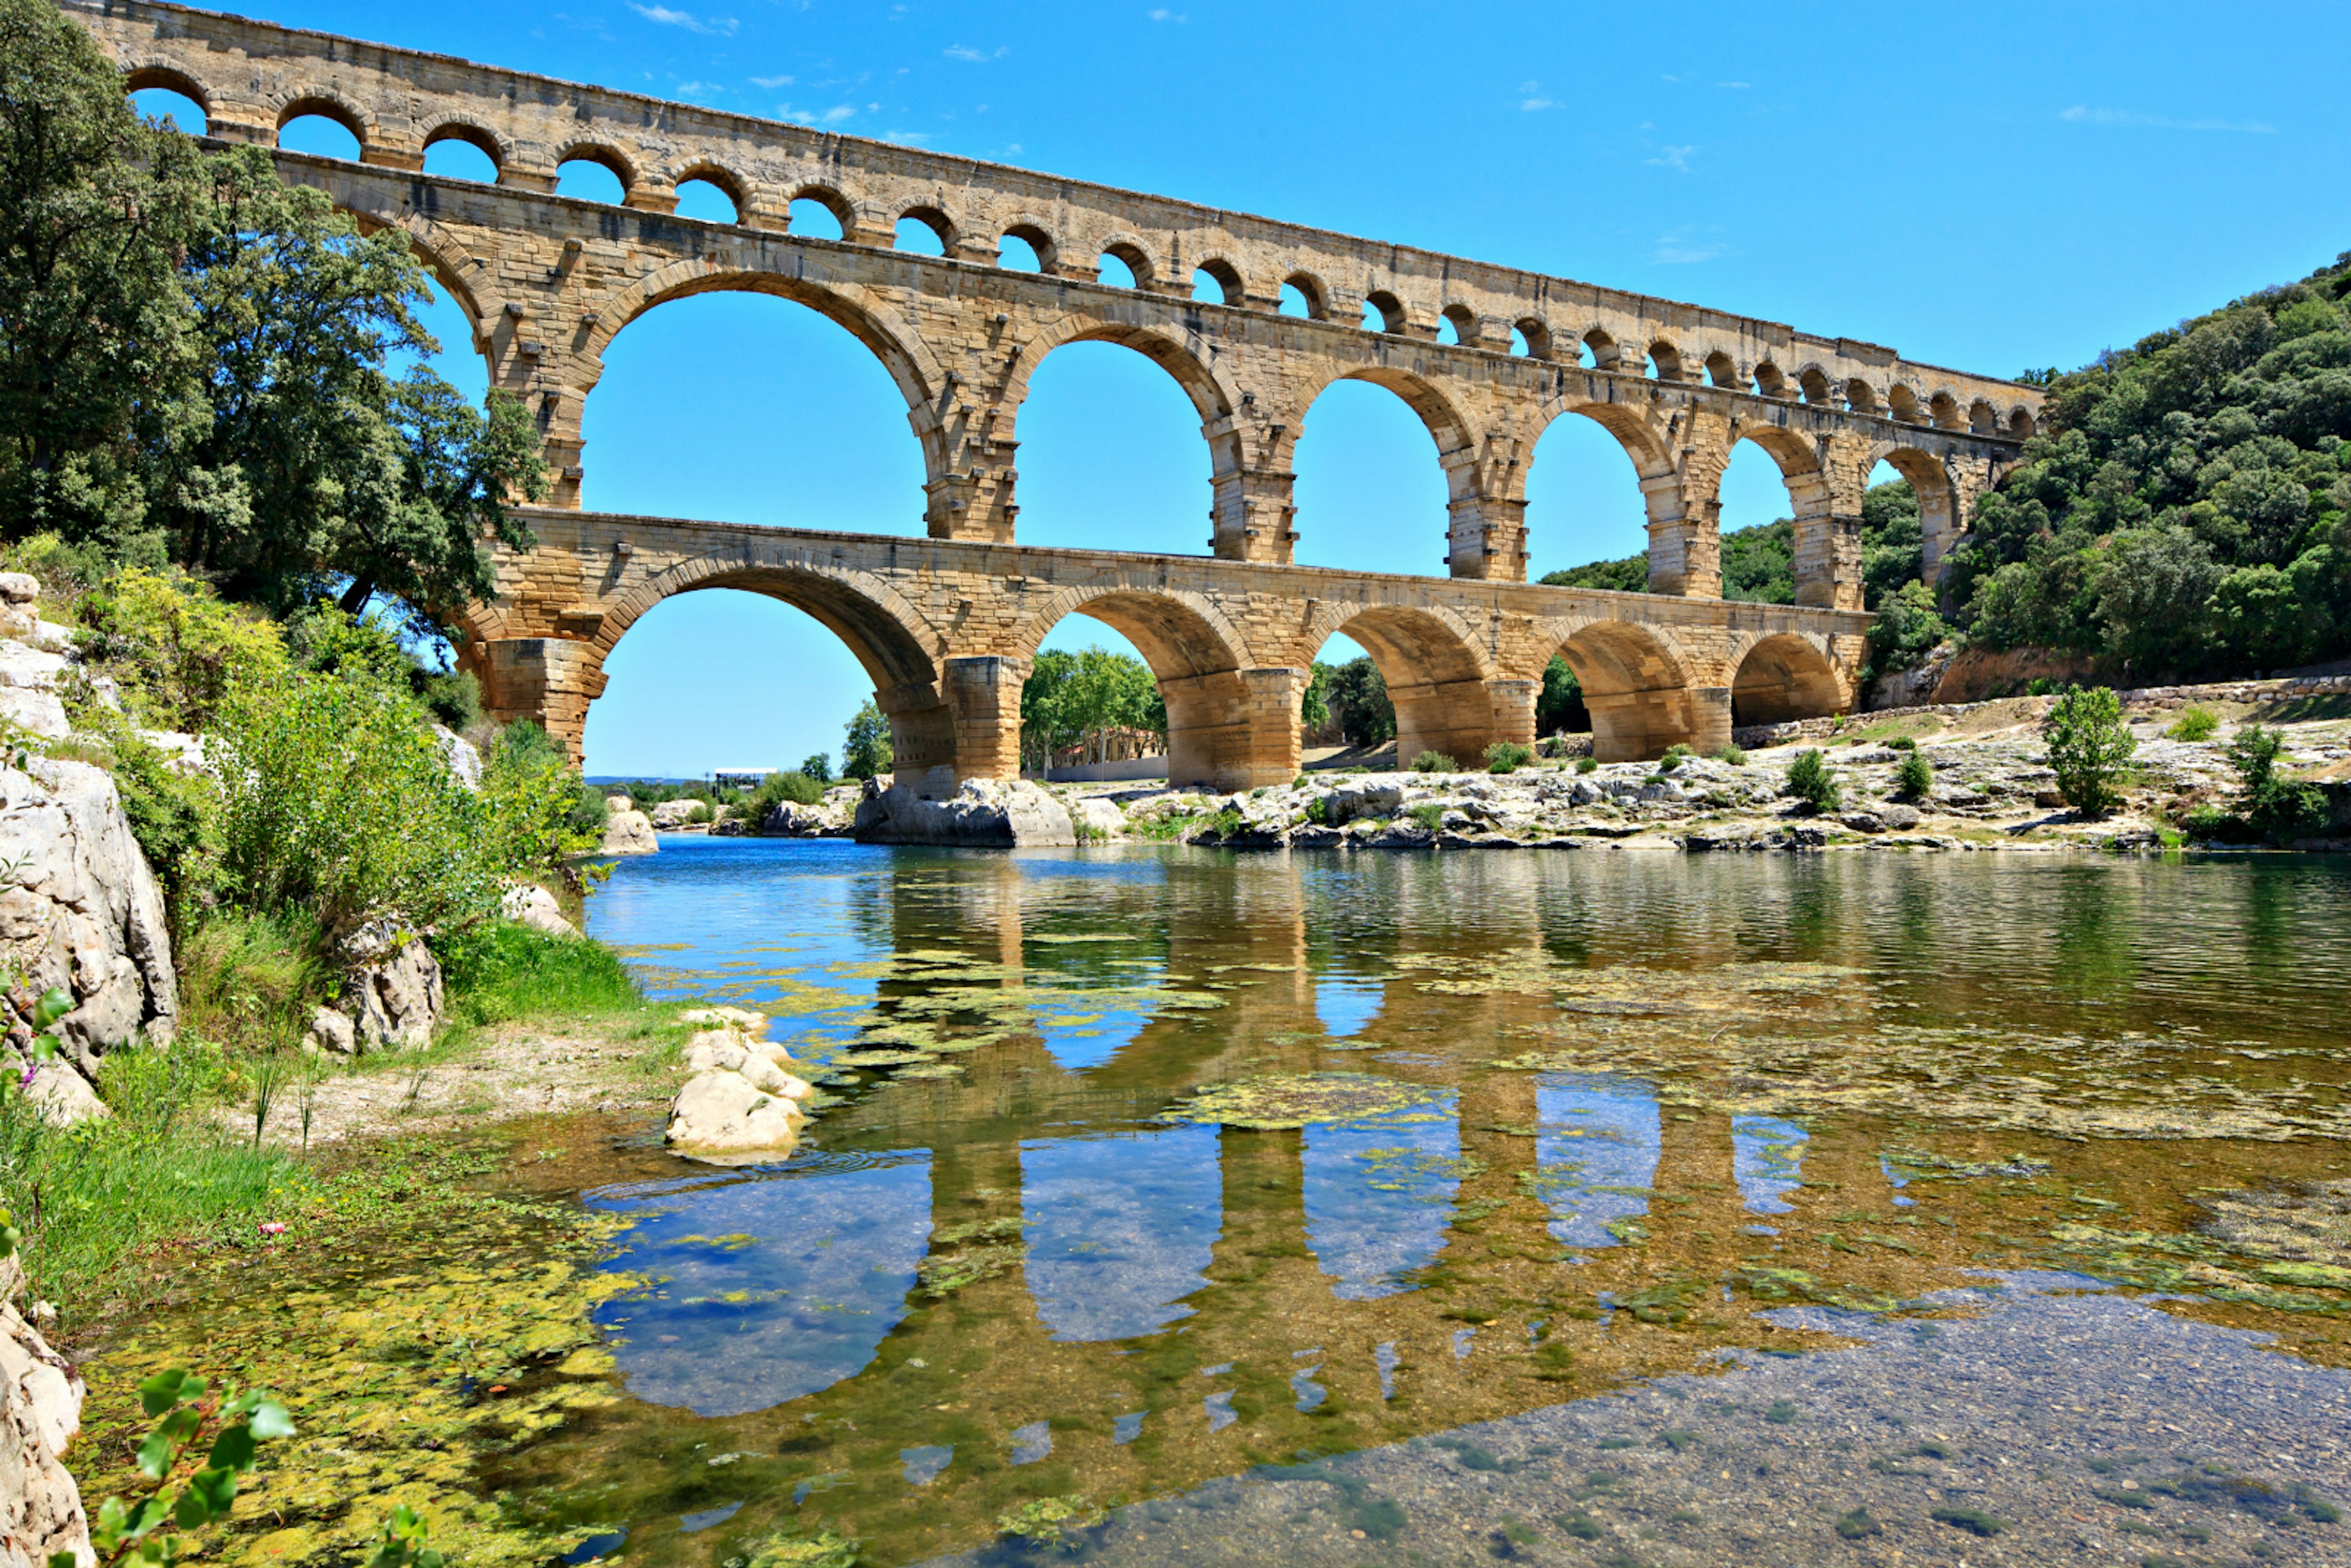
x,y
331,1030
1094,818
982,813
40,1412
721,1118
394,998
628,832
537,909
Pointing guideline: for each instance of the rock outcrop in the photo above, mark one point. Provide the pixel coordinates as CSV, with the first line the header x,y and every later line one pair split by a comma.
x,y
32,657
536,907
79,910
1094,818
833,817
628,832
40,1411
742,1105
673,814
981,813
392,998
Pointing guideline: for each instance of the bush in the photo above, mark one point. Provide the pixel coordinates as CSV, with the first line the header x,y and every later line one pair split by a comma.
x,y
701,813
1732,755
1916,776
2207,822
1507,756
450,697
1428,814
1587,763
2090,748
2277,809
1809,780
1675,755
1903,743
1433,762
248,982
776,788
2194,722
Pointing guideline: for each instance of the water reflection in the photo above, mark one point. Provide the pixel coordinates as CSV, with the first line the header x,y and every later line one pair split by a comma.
x,y
1768,1161
1379,1197
1118,1229
1344,1003
1596,1148
769,1288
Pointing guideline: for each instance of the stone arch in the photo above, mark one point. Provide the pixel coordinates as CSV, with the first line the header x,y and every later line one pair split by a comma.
x,y
1037,237
452,266
1536,334
1723,370
1465,323
1215,731
1813,384
2022,426
1636,687
1314,291
1131,253
1940,524
1902,404
1981,418
843,210
1603,345
327,104
604,155
1786,675
1667,361
1390,309
1770,380
1860,396
1227,277
1446,423
1943,411
474,134
729,184
171,78
1436,676
936,218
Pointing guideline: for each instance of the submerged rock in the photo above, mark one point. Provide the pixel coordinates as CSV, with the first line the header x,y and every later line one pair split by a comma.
x,y
983,812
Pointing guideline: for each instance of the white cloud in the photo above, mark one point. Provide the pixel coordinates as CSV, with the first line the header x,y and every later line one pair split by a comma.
x,y
1735,86
833,116
2081,114
772,82
1682,249
907,138
686,19
1675,158
1535,105
1164,14
965,52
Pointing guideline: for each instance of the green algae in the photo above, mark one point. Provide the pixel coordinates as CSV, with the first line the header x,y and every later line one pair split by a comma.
x,y
1279,1100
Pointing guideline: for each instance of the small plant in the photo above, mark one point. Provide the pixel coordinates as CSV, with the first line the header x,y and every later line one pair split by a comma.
x,y
1857,1525
1969,1520
1433,762
1675,755
1916,776
1507,756
2195,723
1587,765
1318,810
2278,809
1902,743
2089,747
1429,815
1732,755
1809,780
123,1532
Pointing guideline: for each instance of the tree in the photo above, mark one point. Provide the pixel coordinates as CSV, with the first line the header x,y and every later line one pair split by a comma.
x,y
1359,695
865,753
1810,780
1314,705
819,767
2090,748
1560,706
1072,701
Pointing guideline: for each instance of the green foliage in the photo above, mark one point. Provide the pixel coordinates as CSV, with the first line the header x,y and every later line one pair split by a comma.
x,y
536,814
174,649
1507,756
865,750
1628,575
500,971
1587,765
1732,755
1072,701
1903,742
1314,703
1433,762
1675,756
2277,809
1560,706
777,788
2185,506
249,982
1359,700
1758,563
2195,722
1428,814
400,1543
453,697
1915,778
2090,748
1907,628
1809,780
818,766
239,1423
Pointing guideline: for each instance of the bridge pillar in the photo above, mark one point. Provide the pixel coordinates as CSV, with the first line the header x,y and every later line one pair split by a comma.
x,y
974,734
1685,540
1234,729
1452,718
1827,564
1251,515
1633,726
547,680
1487,539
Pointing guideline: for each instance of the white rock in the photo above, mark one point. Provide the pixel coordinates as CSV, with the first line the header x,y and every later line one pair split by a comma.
x,y
717,1051
330,1030
63,1096
28,667
982,812
674,814
739,1018
628,832
50,637
619,803
394,999
537,909
463,758
33,712
40,1411
722,1118
1096,818
19,587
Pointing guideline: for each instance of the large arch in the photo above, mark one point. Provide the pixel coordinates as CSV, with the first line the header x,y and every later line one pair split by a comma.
x,y
1456,471
1813,546
1220,736
1655,480
1437,678
1784,676
1940,524
1638,692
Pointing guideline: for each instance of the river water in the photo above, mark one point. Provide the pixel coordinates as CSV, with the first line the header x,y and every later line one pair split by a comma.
x,y
1180,1206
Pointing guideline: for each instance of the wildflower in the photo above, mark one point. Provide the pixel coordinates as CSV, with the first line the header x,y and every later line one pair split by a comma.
x,y
31,1069
273,1228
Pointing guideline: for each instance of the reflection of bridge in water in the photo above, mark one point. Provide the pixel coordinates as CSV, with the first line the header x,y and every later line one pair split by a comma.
x,y
1152,1305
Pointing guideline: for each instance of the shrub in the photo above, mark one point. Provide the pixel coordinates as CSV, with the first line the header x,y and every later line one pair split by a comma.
x,y
798,788
450,697
2207,822
1809,780
1428,814
1507,756
2195,723
701,813
1433,762
248,982
2089,748
1903,743
865,752
1916,776
1732,755
1675,755
818,766
1318,810
2277,809
177,652
1587,763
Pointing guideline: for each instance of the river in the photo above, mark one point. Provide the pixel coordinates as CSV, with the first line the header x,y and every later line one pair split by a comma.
x,y
1180,1207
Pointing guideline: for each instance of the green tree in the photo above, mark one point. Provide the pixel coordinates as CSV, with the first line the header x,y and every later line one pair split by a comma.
x,y
2278,809
819,767
1559,707
866,751
2090,748
1810,781
1314,706
1359,696
1907,628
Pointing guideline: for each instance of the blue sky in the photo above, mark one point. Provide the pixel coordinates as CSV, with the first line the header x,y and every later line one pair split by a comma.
x,y
1987,186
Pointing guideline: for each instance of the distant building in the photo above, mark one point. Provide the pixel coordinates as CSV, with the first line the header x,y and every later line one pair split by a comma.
x,y
739,777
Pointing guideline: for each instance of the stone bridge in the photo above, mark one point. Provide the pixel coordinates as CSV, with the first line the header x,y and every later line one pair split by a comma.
x,y
1487,357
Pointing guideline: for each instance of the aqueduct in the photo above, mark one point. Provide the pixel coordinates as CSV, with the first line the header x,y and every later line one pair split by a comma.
x,y
1486,355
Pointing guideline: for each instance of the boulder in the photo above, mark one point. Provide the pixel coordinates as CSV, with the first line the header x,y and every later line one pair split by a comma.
x,y
393,997
40,1411
1358,802
829,818
537,909
619,803
62,1096
671,814
722,1118
79,909
465,760
740,1018
1897,816
1095,818
985,812
628,832
330,1030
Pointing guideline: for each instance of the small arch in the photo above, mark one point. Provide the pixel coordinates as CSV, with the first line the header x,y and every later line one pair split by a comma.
x,y
1217,282
159,92
1461,322
1944,410
1633,686
721,190
575,166
1770,382
1122,255
1784,677
326,106
1599,351
1531,338
321,128
1816,387
920,229
1721,370
1860,396
813,208
1035,240
1383,312
1981,419
2020,424
458,151
1196,658
1312,299
1435,679
1664,362
1902,404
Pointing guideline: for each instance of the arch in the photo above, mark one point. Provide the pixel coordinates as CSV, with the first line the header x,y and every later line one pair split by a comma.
x,y
1860,396
1310,289
1981,419
1637,689
1435,675
1902,403
1034,236
1535,334
1721,370
1943,410
1782,677
1196,656
2020,424
1770,382
1385,308
1601,347
1128,252
480,136
724,180
1464,322
1666,360
1224,277
1814,383
1187,360
326,106
139,78
1582,508
1445,422
606,158
843,211
934,219
1940,523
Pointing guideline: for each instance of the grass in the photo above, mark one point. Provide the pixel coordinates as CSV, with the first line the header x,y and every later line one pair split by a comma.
x,y
504,972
